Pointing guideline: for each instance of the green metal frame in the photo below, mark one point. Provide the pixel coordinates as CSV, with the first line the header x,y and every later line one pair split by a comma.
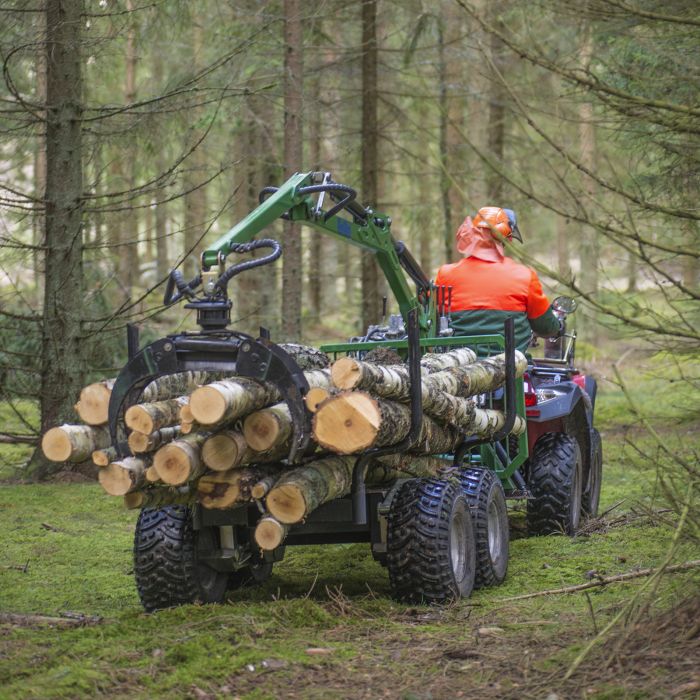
x,y
373,236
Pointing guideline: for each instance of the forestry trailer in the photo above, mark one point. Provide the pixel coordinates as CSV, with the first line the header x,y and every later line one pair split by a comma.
x,y
438,520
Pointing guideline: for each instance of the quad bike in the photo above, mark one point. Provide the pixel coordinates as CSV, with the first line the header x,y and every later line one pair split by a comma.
x,y
438,537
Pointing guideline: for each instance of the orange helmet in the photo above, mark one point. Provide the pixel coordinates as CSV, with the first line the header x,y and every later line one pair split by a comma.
x,y
497,221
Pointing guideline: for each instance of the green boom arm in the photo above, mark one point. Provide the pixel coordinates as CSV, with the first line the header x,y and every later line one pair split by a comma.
x,y
371,233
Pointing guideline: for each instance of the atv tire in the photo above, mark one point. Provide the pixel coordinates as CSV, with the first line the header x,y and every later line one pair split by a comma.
x,y
591,495
430,542
165,560
556,483
487,502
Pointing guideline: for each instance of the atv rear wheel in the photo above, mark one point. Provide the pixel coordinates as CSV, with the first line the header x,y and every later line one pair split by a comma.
x,y
591,495
556,484
165,560
487,502
430,542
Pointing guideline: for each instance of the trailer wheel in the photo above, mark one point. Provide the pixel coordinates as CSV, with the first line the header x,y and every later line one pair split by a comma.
x,y
556,484
430,542
487,502
591,495
165,560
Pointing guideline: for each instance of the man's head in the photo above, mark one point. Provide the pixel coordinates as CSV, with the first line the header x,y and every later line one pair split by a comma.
x,y
500,223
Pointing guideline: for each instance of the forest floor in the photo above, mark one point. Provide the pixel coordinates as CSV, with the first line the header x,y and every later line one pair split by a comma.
x,y
324,625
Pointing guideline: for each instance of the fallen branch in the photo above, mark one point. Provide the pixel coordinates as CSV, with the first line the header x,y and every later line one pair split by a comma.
x,y
675,568
66,620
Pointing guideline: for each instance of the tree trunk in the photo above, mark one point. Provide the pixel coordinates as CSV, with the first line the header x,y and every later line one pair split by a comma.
x,y
371,308
73,443
589,247
293,156
196,193
63,347
497,111
130,253
38,220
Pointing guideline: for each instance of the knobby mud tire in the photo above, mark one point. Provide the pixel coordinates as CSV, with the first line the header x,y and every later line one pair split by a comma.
x,y
487,502
591,496
556,484
165,564
430,542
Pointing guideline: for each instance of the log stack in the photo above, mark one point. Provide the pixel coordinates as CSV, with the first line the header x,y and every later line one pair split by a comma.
x,y
222,441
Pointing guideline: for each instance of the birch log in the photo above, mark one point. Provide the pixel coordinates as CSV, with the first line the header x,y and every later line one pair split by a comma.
x,y
306,357
155,496
303,489
225,450
149,417
224,401
262,487
354,421
268,428
144,442
270,533
93,404
316,395
121,477
436,362
180,461
393,382
74,443
171,386
224,489
101,458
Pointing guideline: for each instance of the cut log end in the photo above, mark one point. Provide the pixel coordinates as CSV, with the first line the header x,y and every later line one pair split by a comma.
x,y
286,503
172,464
261,430
93,405
347,423
223,451
346,373
207,405
115,480
135,499
270,533
139,420
56,445
315,396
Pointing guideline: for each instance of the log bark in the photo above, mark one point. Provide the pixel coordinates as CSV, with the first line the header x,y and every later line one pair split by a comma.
x,y
262,487
436,362
101,458
307,357
74,443
155,496
354,421
93,405
180,461
224,401
399,466
270,533
124,476
144,442
393,382
303,489
171,386
268,428
225,489
149,417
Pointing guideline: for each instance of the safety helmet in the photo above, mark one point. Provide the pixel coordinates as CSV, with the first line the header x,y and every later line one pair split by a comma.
x,y
499,221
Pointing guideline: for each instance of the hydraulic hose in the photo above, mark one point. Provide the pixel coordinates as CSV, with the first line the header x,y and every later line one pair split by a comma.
x,y
177,279
234,270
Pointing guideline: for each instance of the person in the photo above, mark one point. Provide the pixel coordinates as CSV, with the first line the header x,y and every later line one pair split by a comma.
x,y
488,287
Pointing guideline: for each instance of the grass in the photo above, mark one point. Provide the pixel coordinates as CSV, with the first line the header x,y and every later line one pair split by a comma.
x,y
67,547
